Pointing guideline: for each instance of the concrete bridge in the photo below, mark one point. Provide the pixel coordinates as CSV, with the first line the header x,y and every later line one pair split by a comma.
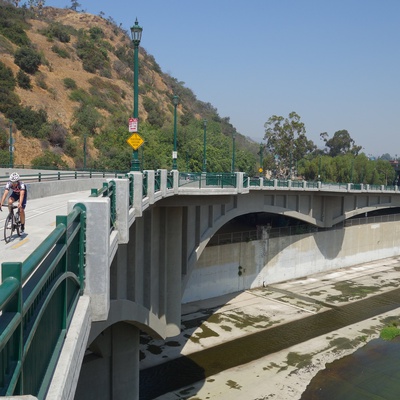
x,y
142,246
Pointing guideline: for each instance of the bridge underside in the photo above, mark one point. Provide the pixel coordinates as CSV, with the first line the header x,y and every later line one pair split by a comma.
x,y
149,273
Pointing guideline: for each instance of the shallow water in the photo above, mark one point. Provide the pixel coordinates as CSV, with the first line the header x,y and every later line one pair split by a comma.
x,y
184,371
370,373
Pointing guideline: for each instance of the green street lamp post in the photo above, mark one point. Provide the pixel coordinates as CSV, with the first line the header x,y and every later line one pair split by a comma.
x,y
84,152
205,146
136,32
261,158
175,100
11,146
233,151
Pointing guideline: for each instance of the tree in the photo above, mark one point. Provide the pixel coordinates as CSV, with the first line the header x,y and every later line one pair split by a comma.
x,y
24,81
340,143
74,5
287,141
27,59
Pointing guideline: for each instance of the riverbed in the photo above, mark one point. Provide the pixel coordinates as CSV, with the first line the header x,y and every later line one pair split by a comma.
x,y
225,340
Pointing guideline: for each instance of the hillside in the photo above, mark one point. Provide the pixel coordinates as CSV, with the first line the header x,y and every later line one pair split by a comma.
x,y
66,80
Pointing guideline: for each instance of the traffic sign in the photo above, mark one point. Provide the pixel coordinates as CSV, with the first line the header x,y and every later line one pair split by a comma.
x,y
135,141
260,170
133,124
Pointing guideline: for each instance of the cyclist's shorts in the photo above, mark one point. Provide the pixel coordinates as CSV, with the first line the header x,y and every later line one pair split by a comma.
x,y
15,196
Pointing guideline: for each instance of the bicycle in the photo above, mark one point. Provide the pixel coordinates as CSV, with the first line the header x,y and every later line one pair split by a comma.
x,y
12,223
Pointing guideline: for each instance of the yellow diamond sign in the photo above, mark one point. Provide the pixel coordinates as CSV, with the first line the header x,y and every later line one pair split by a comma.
x,y
135,141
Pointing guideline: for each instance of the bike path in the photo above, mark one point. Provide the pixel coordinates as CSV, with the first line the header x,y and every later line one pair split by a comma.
x,y
40,222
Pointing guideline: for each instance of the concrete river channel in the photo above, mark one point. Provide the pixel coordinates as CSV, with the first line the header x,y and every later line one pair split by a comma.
x,y
310,338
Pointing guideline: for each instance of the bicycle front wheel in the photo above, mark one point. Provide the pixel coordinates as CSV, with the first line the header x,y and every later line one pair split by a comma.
x,y
8,228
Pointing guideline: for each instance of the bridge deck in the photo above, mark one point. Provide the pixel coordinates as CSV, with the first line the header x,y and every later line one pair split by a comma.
x,y
40,221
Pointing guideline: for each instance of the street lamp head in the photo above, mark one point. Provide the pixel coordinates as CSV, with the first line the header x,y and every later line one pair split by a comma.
x,y
205,123
136,32
175,100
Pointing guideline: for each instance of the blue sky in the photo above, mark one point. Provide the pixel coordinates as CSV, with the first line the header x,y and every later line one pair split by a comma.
x,y
336,63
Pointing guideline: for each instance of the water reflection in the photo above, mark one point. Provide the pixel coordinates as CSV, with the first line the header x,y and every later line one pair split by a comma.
x,y
372,372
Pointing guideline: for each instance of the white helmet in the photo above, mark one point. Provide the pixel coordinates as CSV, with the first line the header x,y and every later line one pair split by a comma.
x,y
14,177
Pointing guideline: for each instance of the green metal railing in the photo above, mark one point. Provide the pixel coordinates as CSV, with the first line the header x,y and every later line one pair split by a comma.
x,y
145,182
209,180
61,175
37,301
108,190
170,180
157,181
131,189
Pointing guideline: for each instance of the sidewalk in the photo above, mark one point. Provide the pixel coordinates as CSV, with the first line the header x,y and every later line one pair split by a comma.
x,y
286,373
40,222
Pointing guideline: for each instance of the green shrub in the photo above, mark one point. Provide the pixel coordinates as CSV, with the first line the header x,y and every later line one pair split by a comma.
x,y
71,147
86,120
58,31
12,24
24,80
390,332
27,59
80,95
49,159
8,101
96,33
69,83
7,80
29,121
92,52
63,53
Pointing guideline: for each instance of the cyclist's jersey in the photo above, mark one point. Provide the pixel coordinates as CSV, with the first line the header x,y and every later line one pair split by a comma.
x,y
17,189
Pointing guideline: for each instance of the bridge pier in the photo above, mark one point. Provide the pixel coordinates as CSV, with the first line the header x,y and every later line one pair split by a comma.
x,y
113,356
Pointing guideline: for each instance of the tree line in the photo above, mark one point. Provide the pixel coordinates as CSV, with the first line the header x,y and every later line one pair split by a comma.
x,y
289,154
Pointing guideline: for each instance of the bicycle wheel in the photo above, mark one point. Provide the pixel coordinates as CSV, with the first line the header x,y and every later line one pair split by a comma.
x,y
8,227
17,223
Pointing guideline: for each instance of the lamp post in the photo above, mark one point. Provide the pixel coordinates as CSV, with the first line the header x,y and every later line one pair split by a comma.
x,y
261,158
84,152
136,32
204,146
233,150
11,146
175,100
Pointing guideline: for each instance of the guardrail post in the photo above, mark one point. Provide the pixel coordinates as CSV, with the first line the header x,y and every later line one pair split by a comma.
x,y
163,181
97,271
239,176
175,175
122,209
150,185
138,192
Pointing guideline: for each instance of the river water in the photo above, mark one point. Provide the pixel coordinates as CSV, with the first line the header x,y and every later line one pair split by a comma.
x,y
370,373
184,371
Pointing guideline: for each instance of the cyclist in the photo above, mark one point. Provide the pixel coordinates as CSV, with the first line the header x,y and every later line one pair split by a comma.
x,y
18,192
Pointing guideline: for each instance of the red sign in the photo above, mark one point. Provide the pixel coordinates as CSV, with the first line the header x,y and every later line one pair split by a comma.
x,y
133,124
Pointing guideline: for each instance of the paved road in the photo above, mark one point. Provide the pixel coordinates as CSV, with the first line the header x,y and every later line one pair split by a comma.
x,y
40,221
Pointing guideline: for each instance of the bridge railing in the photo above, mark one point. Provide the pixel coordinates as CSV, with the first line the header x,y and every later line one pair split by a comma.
x,y
60,175
108,190
208,180
37,301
